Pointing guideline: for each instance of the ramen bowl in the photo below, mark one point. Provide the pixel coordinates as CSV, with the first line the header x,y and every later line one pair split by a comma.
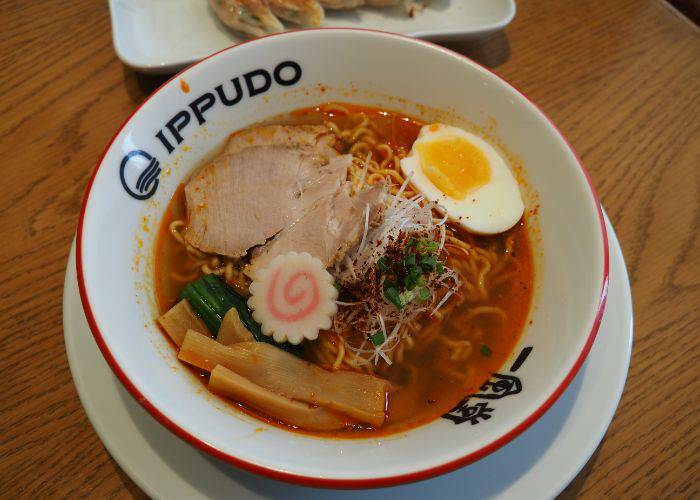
x,y
187,118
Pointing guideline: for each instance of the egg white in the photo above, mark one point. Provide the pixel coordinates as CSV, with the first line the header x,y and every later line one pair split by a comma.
x,y
491,208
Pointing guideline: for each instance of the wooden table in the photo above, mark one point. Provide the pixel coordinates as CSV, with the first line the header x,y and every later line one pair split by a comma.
x,y
622,80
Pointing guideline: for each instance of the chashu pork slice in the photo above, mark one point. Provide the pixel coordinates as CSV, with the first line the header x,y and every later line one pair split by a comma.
x,y
266,178
327,230
240,200
230,210
322,184
316,139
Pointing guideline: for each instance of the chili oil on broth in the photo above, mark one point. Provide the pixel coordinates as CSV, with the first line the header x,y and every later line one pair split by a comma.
x,y
449,357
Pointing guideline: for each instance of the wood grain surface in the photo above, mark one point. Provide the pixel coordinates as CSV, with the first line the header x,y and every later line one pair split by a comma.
x,y
621,79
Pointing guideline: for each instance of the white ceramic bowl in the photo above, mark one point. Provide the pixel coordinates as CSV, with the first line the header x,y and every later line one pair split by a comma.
x,y
185,119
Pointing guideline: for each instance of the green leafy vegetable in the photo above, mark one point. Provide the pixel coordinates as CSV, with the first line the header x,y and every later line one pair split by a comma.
x,y
413,278
423,294
406,297
377,338
426,245
429,263
390,284
211,299
393,296
382,265
440,268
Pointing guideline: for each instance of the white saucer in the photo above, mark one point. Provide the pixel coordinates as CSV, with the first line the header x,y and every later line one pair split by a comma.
x,y
165,36
537,464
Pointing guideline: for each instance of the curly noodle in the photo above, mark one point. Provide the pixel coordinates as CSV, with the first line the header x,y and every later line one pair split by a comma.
x,y
230,269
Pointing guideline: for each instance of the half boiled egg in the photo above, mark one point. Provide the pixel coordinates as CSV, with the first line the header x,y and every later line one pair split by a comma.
x,y
466,177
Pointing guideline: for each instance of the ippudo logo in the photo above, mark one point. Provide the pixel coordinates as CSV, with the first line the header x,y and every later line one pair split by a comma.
x,y
139,170
139,173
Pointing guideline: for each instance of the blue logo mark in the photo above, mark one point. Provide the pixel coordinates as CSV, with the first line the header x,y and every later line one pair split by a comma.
x,y
139,173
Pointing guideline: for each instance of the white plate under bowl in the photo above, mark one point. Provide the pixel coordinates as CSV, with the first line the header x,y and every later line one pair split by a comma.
x,y
164,36
537,464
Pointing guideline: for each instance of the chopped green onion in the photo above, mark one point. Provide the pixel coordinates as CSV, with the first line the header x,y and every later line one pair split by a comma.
x,y
485,350
413,275
439,268
390,284
426,245
407,297
393,296
383,265
423,294
430,262
377,338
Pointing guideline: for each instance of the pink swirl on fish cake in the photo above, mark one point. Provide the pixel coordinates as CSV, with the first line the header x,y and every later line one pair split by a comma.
x,y
291,298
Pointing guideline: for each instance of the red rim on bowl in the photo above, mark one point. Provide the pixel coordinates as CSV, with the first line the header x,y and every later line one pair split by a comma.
x,y
319,481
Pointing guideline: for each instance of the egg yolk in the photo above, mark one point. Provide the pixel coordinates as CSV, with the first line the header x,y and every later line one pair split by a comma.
x,y
454,165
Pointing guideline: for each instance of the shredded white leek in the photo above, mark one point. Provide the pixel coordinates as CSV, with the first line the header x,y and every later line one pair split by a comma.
x,y
401,189
364,235
443,220
347,304
413,217
365,169
384,356
444,299
381,323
